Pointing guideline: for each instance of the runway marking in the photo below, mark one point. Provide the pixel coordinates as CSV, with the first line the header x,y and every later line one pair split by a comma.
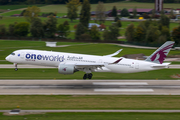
x,y
120,83
123,90
89,94
51,86
87,80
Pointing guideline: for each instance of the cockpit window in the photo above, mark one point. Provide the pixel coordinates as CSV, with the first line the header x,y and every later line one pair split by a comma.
x,y
12,53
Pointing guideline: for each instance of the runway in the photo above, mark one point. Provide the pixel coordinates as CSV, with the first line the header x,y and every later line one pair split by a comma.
x,y
36,66
89,87
55,111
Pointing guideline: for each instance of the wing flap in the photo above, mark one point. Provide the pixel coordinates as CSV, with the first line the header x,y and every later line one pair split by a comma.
x,y
88,65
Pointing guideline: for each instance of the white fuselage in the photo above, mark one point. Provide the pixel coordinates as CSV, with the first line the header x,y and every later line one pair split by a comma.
x,y
49,58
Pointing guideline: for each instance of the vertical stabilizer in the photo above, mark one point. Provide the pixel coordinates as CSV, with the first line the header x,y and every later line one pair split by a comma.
x,y
160,54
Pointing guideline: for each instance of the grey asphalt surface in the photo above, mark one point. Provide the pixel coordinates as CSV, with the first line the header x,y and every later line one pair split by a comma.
x,y
35,66
49,111
89,87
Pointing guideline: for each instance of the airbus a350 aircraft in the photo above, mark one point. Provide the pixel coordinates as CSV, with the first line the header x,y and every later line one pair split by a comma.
x,y
69,63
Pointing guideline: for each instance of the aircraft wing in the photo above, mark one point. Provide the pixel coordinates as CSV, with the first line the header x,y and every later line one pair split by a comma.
x,y
111,55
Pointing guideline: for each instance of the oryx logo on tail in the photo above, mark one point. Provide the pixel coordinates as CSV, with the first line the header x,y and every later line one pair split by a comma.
x,y
160,54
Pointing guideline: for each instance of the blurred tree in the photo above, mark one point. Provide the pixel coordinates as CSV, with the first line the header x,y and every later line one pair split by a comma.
x,y
80,30
152,34
36,28
134,12
164,20
72,7
85,13
176,35
118,23
85,37
130,33
102,26
94,33
165,32
124,13
114,11
66,23
153,13
100,12
21,29
63,30
140,33
11,29
3,31
31,1
172,16
116,19
50,27
31,13
112,33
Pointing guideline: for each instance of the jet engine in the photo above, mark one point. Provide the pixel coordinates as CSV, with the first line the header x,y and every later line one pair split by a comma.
x,y
66,69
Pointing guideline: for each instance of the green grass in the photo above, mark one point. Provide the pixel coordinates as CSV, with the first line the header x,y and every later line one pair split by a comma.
x,y
95,116
13,7
108,6
8,46
45,73
11,13
88,102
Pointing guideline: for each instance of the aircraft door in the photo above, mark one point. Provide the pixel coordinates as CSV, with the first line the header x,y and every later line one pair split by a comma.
x,y
136,65
132,65
22,55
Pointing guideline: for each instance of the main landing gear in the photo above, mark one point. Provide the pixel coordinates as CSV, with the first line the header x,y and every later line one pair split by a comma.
x,y
15,67
87,75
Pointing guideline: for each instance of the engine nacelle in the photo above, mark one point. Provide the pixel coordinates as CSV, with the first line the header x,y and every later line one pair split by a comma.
x,y
66,69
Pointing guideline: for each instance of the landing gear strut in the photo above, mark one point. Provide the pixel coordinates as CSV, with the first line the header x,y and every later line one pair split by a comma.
x,y
15,67
89,76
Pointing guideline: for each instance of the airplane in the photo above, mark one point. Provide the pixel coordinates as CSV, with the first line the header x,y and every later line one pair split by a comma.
x,y
69,63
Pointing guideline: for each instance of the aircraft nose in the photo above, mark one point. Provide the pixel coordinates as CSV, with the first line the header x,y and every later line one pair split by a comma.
x,y
7,58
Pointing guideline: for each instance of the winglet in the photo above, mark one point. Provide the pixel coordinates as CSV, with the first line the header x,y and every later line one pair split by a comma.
x,y
160,54
111,55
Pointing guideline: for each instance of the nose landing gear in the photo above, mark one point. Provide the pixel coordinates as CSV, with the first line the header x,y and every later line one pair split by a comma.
x,y
15,67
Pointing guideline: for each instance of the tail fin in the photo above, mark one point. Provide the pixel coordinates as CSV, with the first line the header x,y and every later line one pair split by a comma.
x,y
160,54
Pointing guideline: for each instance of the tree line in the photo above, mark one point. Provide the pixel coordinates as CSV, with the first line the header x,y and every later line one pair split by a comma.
x,y
36,28
17,2
153,32
147,32
152,1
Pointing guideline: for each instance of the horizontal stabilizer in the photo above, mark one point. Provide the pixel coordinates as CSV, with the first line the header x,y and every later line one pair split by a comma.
x,y
164,65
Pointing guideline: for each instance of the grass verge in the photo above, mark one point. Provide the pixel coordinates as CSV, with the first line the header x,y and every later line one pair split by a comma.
x,y
45,73
105,102
95,116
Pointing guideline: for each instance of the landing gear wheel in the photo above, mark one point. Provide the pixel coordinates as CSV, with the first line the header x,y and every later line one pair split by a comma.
x,y
90,75
85,76
15,64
